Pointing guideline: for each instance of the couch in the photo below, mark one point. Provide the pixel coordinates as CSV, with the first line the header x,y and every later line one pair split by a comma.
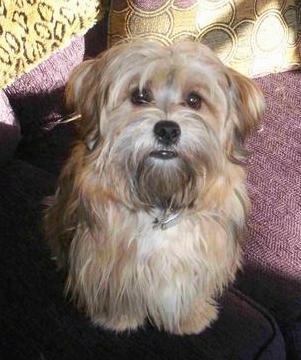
x,y
260,315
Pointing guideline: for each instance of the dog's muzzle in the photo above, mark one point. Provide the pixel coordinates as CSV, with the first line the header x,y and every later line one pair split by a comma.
x,y
167,133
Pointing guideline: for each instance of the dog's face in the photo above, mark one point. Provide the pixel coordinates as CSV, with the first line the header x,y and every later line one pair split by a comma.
x,y
161,123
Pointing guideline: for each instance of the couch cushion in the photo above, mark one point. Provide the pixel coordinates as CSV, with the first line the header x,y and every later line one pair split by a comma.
x,y
10,133
272,271
254,37
37,322
38,100
38,96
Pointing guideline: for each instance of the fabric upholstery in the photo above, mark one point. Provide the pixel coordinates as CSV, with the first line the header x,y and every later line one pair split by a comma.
x,y
32,30
254,37
37,97
274,178
272,269
10,133
38,102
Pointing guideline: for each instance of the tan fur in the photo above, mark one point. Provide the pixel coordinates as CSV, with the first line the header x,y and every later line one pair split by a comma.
x,y
121,267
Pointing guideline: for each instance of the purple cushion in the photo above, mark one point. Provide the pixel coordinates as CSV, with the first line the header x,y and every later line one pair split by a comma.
x,y
37,97
275,179
272,271
9,129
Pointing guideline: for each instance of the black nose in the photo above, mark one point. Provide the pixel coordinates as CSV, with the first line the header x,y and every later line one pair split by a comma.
x,y
167,132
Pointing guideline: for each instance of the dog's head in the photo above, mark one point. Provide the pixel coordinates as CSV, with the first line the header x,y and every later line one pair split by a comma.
x,y
160,121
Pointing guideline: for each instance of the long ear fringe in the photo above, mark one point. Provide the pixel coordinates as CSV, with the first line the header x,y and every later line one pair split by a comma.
x,y
248,101
247,106
80,98
76,84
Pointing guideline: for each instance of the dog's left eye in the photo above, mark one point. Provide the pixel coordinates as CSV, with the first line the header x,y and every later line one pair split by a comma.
x,y
141,97
194,100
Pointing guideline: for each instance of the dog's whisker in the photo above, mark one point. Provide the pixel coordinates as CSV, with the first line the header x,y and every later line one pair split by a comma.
x,y
62,121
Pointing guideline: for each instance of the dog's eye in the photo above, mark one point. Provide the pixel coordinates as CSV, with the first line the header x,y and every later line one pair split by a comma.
x,y
141,97
194,100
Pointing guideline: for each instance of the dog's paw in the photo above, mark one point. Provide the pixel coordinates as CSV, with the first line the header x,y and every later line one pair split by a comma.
x,y
198,320
120,324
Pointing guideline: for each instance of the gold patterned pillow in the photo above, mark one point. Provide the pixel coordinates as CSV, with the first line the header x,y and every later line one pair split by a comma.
x,y
255,37
30,30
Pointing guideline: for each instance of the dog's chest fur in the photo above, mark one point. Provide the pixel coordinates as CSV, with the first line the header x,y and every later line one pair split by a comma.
x,y
162,272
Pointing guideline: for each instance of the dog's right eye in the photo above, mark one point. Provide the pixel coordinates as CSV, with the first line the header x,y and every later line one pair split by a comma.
x,y
194,100
141,97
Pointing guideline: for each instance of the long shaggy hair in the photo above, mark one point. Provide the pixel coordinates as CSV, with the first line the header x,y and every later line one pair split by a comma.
x,y
150,208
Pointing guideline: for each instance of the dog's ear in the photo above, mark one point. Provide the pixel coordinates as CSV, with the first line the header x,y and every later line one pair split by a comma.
x,y
83,97
246,107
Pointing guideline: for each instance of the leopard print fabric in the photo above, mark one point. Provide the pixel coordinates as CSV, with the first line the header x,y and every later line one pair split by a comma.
x,y
31,30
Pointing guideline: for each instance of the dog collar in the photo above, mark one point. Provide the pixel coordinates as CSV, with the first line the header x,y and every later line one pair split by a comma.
x,y
166,221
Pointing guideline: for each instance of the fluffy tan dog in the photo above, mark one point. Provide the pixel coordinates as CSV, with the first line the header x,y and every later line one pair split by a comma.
x,y
150,209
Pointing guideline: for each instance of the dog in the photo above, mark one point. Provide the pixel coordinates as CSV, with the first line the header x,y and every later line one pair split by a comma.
x,y
149,215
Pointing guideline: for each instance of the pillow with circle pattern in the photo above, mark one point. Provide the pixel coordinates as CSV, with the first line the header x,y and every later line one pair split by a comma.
x,y
255,37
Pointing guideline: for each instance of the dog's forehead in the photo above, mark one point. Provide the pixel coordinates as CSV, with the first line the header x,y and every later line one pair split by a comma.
x,y
185,56
183,62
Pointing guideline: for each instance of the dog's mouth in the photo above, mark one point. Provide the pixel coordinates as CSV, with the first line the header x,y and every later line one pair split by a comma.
x,y
164,154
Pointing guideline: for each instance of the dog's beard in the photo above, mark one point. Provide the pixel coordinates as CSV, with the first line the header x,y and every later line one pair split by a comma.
x,y
142,179
165,184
